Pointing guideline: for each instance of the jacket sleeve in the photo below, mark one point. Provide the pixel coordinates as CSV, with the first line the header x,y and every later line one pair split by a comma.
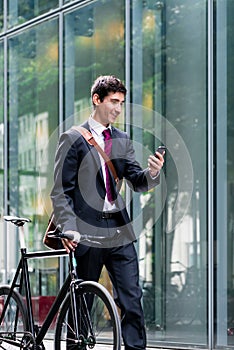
x,y
65,181
137,178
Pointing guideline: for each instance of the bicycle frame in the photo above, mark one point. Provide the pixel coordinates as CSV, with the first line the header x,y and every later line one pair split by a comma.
x,y
23,273
86,325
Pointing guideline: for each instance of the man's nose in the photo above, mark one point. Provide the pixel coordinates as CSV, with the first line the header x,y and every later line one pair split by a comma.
x,y
118,107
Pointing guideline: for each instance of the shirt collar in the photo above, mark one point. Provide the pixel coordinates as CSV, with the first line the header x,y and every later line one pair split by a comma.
x,y
97,127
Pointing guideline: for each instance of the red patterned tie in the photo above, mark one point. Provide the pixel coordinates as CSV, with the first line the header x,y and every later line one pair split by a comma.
x,y
107,149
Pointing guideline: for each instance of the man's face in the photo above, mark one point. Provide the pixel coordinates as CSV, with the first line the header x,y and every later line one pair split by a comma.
x,y
109,109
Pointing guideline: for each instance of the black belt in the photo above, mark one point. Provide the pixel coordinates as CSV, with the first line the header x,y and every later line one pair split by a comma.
x,y
109,215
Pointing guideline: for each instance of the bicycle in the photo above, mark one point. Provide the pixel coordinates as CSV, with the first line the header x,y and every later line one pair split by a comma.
x,y
87,316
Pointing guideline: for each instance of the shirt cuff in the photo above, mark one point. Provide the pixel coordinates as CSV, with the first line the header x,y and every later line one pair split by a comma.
x,y
154,177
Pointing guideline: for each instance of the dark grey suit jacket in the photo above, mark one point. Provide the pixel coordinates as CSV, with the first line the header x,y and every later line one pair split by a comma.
x,y
79,190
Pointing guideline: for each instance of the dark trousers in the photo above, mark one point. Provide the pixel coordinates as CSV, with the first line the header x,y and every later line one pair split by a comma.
x,y
122,266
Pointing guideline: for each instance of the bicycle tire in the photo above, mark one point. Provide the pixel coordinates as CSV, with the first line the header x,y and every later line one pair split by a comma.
x,y
104,318
14,324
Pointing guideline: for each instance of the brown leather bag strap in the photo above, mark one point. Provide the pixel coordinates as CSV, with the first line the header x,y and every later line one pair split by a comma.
x,y
90,139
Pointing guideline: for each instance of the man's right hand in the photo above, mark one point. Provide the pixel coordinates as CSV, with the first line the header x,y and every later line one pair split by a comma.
x,y
71,244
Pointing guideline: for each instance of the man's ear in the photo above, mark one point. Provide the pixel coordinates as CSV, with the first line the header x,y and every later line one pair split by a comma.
x,y
96,99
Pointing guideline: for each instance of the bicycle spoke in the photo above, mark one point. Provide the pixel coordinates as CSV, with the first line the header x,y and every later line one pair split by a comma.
x,y
98,321
14,322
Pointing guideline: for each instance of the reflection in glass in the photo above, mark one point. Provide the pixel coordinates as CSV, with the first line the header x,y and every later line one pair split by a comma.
x,y
20,11
224,262
88,53
167,72
33,116
2,245
173,257
1,125
1,15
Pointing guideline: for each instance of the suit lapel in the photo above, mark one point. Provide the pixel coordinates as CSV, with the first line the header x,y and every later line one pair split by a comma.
x,y
114,137
95,155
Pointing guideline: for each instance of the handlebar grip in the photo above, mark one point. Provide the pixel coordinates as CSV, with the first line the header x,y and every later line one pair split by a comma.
x,y
76,237
73,236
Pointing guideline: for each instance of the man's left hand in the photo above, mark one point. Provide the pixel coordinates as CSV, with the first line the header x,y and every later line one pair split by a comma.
x,y
155,164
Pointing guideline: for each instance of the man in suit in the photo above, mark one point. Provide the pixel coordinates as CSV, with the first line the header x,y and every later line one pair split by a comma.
x,y
87,201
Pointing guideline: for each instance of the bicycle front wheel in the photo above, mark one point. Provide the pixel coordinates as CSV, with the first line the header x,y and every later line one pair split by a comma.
x,y
97,319
13,323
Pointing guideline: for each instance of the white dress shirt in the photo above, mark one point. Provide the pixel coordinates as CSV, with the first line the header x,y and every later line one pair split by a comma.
x,y
96,130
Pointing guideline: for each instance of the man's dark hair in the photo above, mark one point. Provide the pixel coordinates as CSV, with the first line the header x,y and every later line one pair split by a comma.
x,y
105,84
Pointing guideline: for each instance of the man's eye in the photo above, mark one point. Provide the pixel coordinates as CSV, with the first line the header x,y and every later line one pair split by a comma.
x,y
117,103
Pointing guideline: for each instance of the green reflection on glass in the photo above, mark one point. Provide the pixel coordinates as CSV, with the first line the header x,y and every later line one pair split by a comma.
x,y
1,15
166,80
33,116
89,52
24,10
1,128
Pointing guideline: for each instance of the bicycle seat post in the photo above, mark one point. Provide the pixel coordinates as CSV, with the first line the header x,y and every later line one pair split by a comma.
x,y
19,222
22,237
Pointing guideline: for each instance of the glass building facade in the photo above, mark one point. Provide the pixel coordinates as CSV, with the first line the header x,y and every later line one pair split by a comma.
x,y
175,57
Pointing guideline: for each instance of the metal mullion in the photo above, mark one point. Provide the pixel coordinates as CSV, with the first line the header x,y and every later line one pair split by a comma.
x,y
30,23
61,25
5,178
128,80
41,18
61,117
210,177
4,15
127,61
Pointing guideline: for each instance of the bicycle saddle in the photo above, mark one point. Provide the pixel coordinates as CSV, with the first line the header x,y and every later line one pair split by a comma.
x,y
16,220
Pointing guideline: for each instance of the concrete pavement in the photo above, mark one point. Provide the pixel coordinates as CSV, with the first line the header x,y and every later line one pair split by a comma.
x,y
49,346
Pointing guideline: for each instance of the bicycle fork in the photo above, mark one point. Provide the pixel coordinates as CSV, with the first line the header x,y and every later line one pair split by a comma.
x,y
82,307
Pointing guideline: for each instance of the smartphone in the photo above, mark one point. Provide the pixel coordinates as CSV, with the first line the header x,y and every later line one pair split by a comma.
x,y
160,149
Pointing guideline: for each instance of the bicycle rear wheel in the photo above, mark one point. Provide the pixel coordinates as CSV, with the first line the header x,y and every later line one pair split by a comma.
x,y
94,303
13,323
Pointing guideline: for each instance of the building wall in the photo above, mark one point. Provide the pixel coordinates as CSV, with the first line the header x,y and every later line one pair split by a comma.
x,y
175,57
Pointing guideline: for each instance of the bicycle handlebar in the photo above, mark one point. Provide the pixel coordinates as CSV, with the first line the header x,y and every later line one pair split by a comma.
x,y
76,236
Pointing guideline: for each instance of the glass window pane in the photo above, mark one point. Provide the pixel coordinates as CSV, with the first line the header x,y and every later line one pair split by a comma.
x,y
172,87
1,126
87,55
2,245
33,118
1,16
224,261
24,10
186,108
67,1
